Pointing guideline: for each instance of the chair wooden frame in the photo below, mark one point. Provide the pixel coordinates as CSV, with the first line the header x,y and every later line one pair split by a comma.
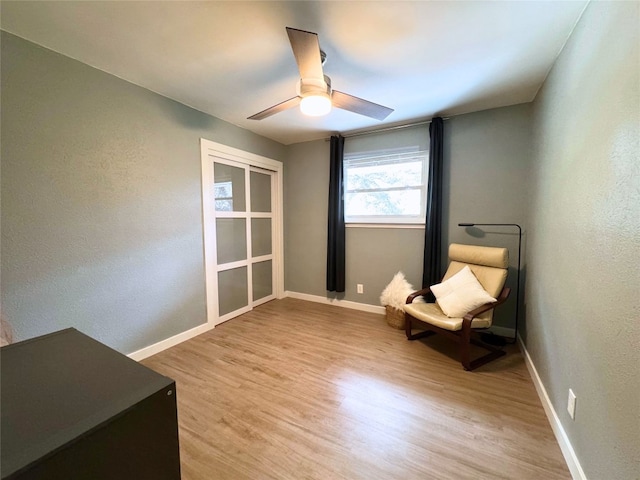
x,y
465,336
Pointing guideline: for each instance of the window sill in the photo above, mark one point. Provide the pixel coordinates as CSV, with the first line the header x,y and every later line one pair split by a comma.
x,y
386,225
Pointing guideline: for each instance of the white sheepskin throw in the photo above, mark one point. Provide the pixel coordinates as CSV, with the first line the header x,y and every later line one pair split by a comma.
x,y
395,294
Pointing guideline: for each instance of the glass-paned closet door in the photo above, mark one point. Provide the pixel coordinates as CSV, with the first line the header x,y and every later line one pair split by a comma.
x,y
230,185
262,237
244,236
242,222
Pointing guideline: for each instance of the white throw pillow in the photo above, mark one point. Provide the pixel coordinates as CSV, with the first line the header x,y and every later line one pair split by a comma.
x,y
460,294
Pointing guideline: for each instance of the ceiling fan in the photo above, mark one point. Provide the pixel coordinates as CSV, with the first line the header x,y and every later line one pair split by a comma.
x,y
315,95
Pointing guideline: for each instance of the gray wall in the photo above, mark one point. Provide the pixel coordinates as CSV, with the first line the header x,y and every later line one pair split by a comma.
x,y
583,327
487,156
484,152
101,201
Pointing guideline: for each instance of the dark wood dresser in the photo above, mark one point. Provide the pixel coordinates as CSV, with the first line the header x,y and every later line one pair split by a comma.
x,y
73,408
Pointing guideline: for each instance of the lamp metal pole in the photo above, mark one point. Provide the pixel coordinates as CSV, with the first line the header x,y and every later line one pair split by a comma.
x,y
515,338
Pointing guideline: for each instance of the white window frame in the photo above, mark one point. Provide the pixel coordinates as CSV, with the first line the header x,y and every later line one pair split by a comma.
x,y
389,157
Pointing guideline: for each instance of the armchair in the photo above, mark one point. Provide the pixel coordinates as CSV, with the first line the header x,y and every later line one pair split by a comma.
x,y
489,266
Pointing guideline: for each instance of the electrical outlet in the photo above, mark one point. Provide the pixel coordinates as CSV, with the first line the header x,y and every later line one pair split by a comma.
x,y
571,404
360,288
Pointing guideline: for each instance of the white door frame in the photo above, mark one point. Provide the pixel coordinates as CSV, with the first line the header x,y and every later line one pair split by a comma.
x,y
210,152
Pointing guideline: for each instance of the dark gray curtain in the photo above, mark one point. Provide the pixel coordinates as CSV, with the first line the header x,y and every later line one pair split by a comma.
x,y
432,270
336,237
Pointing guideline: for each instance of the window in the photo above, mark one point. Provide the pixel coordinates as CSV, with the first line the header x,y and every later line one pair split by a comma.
x,y
223,194
386,186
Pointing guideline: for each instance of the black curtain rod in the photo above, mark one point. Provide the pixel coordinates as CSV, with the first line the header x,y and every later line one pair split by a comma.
x,y
387,129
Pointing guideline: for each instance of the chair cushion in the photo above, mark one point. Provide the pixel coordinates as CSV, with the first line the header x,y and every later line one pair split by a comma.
x,y
497,257
492,279
460,294
431,313
488,264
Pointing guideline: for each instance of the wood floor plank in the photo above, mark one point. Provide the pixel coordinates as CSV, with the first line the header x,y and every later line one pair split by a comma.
x,y
299,390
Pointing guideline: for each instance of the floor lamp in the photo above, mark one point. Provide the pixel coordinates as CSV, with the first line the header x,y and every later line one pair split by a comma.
x,y
515,337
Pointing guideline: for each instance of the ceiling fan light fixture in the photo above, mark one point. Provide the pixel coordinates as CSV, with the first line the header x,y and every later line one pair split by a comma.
x,y
314,93
315,105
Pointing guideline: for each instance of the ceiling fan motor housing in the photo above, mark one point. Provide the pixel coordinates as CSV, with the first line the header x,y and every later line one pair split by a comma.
x,y
314,86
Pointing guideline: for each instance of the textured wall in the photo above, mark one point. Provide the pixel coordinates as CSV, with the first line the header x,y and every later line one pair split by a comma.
x,y
101,201
583,292
484,152
306,180
487,161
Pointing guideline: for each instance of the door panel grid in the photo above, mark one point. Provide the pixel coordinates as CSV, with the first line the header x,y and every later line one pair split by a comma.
x,y
244,237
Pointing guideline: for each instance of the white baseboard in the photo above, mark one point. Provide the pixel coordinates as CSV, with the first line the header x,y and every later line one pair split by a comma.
x,y
169,342
184,336
561,436
365,307
338,303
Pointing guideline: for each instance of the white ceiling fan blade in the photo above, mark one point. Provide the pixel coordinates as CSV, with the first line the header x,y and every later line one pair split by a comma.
x,y
358,105
306,49
292,102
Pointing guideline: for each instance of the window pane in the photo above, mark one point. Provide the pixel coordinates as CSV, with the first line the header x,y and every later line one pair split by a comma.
x,y
393,203
260,236
231,239
262,285
384,176
386,185
233,292
260,192
228,188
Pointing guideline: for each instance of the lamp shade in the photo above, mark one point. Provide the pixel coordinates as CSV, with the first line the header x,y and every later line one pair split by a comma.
x,y
315,105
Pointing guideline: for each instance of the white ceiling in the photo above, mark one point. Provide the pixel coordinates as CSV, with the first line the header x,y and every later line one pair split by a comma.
x,y
232,59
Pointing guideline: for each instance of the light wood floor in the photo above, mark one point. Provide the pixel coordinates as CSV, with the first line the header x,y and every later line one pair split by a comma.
x,y
299,390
